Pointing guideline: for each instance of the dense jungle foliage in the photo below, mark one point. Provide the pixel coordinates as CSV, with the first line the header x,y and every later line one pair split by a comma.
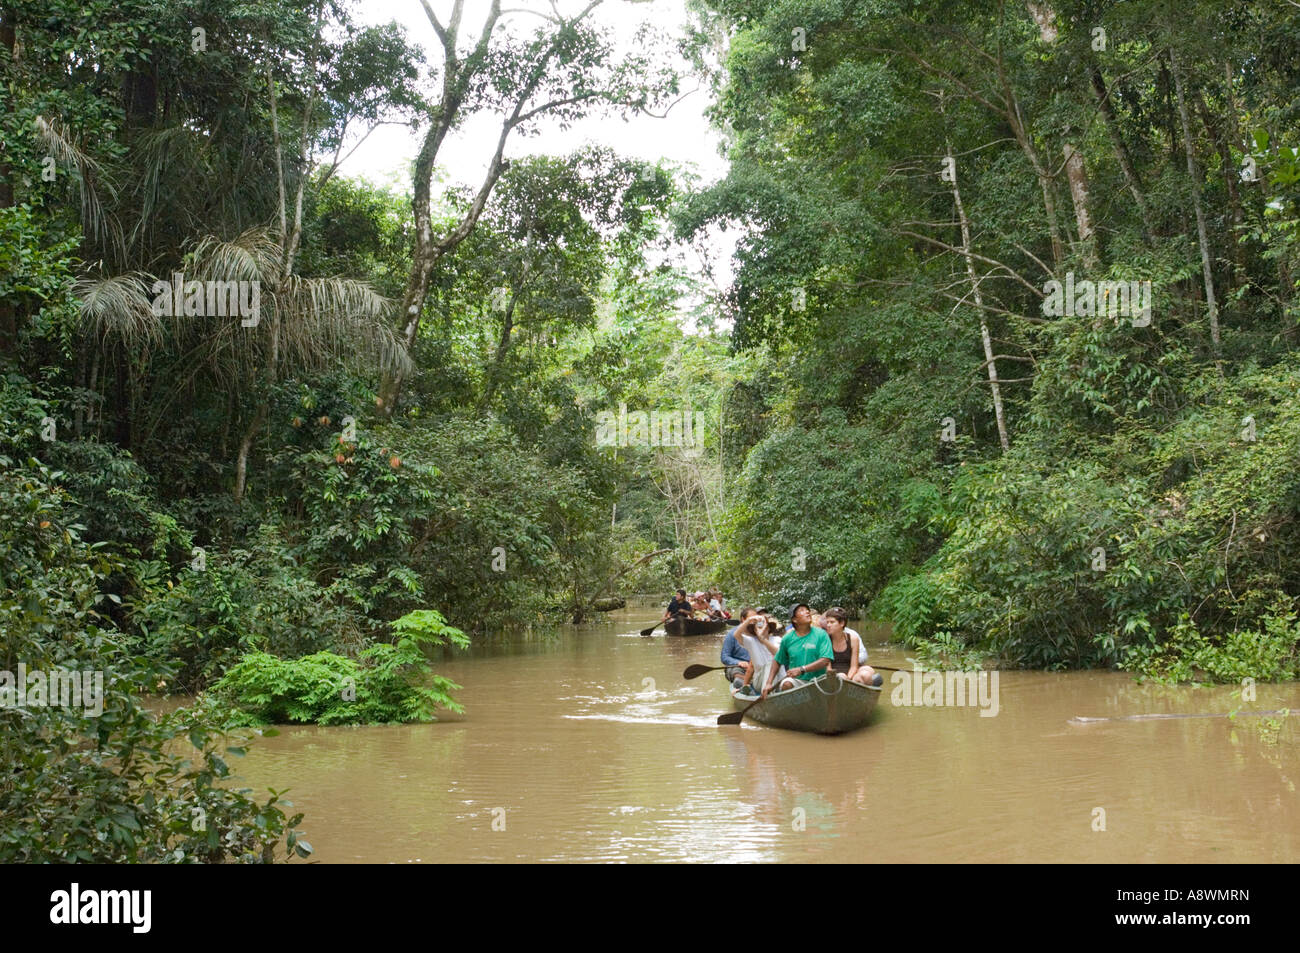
x,y
927,433
384,440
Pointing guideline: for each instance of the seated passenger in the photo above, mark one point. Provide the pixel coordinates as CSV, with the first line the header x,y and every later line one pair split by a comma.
x,y
715,605
759,636
739,667
848,650
677,606
806,651
699,608
862,646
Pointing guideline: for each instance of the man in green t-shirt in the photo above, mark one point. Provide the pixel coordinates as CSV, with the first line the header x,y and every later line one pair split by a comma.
x,y
806,652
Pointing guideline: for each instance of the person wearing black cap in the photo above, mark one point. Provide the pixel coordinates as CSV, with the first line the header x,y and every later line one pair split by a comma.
x,y
806,652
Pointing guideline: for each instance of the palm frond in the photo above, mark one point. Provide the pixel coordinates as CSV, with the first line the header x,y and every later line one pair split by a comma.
x,y
171,155
321,322
191,181
338,319
118,308
63,147
253,255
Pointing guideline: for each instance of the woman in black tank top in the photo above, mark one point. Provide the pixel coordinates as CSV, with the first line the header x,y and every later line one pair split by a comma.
x,y
846,660
842,661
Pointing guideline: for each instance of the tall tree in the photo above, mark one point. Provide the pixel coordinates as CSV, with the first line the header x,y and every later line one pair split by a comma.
x,y
560,71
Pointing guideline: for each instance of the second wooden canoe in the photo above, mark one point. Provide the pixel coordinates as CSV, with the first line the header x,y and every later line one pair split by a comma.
x,y
828,705
680,625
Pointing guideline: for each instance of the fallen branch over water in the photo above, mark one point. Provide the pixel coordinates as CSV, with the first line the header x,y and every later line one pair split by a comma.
x,y
1081,720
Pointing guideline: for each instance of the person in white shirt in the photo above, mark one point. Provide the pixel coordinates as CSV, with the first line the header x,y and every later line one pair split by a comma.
x,y
862,646
760,636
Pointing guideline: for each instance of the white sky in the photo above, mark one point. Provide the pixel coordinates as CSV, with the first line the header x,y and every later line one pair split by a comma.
x,y
683,137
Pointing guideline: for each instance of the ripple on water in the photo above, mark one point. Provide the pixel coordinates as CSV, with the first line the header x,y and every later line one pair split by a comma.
x,y
680,707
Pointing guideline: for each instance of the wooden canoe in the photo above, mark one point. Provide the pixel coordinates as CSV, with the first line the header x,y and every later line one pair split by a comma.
x,y
681,625
828,705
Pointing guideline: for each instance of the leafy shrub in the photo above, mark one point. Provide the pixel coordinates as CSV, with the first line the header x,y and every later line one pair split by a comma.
x,y
111,496
391,683
1270,653
399,523
910,603
241,600
942,651
1075,560
108,787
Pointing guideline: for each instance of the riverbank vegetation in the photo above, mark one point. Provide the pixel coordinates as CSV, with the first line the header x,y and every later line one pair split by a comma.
x,y
283,436
1046,483
289,432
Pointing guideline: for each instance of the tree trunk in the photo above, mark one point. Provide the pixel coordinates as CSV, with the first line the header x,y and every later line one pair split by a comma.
x,y
1045,17
92,414
245,445
1165,86
1121,151
427,252
1044,183
140,96
985,338
289,243
8,40
122,435
503,346
278,149
288,248
1078,178
1194,175
1230,184
79,375
1234,135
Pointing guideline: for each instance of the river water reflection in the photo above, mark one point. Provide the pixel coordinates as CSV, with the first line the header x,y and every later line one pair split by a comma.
x,y
586,745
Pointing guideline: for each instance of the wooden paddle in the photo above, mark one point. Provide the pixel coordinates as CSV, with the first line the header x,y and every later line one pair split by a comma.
x,y
695,671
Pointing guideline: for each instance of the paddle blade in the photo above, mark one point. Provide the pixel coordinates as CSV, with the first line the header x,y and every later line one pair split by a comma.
x,y
695,671
649,630
731,718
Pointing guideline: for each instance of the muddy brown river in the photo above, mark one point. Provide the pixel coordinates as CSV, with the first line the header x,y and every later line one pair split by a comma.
x,y
586,745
